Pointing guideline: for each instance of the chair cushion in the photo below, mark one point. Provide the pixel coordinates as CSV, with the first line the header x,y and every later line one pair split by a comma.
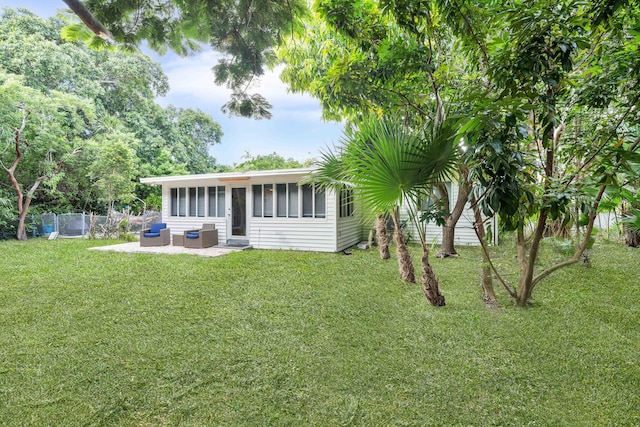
x,y
157,226
151,234
193,235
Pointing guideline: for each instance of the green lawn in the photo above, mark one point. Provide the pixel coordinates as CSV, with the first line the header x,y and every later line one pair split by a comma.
x,y
261,338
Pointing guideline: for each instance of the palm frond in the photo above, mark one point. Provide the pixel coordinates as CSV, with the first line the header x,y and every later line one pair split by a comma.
x,y
387,163
439,152
330,173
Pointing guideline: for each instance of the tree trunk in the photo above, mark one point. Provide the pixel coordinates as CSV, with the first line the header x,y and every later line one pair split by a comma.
x,y
21,233
430,284
630,236
382,238
447,247
23,208
522,293
488,293
527,261
405,264
24,200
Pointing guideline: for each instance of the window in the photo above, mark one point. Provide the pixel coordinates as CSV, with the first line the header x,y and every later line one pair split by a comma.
x,y
293,200
285,200
195,200
281,197
257,200
182,202
216,201
427,202
313,201
263,200
221,201
201,201
174,202
192,201
320,200
440,196
346,203
307,201
268,200
211,211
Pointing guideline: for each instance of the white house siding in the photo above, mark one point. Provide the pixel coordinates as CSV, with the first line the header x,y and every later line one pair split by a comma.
x,y
179,224
464,234
329,234
312,234
349,229
349,232
304,234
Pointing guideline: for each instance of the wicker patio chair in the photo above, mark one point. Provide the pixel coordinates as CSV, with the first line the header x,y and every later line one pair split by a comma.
x,y
205,237
156,235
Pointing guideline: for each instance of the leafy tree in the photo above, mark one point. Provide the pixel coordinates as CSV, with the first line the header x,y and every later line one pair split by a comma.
x,y
196,132
384,58
40,132
114,167
267,162
244,31
544,89
8,218
530,151
387,165
122,88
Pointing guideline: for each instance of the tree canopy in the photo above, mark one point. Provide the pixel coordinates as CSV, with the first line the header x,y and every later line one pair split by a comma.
x,y
545,94
98,105
267,162
245,32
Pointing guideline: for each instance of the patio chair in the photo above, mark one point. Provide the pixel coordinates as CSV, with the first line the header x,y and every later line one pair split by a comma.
x,y
157,235
205,237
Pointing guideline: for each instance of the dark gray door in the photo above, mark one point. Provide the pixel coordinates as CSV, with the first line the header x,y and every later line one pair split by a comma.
x,y
239,212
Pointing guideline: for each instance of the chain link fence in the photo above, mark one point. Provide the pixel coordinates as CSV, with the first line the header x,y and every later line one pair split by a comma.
x,y
86,225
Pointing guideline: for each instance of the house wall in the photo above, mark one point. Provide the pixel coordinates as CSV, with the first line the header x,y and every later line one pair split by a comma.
x,y
180,224
329,234
308,234
349,232
305,234
464,234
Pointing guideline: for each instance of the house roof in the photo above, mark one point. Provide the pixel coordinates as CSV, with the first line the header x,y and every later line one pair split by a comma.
x,y
225,176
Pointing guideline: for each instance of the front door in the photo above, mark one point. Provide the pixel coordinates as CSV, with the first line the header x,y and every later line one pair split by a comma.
x,y
238,212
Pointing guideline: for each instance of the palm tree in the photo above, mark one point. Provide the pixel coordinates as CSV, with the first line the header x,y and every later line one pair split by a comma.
x,y
388,165
381,237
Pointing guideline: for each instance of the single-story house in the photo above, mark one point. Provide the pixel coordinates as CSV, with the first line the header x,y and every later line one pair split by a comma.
x,y
272,210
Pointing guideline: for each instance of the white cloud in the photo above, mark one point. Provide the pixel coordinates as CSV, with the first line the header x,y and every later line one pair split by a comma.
x,y
193,76
296,129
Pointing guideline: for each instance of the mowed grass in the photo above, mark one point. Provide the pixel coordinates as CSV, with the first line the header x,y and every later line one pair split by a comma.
x,y
278,338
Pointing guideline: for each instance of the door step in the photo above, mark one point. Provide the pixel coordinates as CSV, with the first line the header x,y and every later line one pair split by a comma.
x,y
238,244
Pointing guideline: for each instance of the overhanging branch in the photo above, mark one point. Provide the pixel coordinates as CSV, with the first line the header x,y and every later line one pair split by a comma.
x,y
89,20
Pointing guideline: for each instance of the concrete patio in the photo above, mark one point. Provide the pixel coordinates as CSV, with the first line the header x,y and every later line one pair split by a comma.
x,y
134,247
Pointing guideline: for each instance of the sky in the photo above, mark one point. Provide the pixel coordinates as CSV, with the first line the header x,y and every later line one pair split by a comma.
x,y
296,130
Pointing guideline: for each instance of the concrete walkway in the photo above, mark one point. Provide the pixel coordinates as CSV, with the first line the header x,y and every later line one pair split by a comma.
x,y
169,249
